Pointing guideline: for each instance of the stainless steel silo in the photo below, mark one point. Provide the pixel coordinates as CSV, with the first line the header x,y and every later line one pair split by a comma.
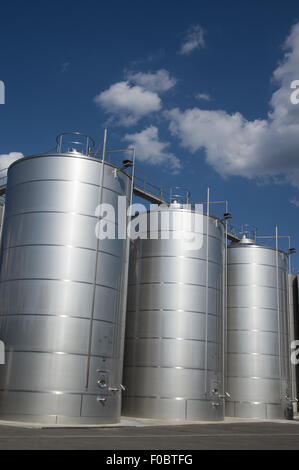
x,y
173,365
62,291
294,329
258,354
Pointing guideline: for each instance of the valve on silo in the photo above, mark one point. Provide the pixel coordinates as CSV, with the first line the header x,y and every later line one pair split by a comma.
x,y
101,400
102,382
121,388
216,404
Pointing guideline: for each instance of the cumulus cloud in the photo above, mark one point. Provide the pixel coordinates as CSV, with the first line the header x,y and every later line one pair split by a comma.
x,y
259,148
193,40
127,104
151,150
157,82
229,140
6,160
203,96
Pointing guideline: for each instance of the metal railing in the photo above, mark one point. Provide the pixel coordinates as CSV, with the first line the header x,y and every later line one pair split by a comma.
x,y
83,144
161,192
240,230
277,237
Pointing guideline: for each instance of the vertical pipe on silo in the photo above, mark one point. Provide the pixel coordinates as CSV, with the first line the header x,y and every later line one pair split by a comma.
x,y
278,309
207,293
96,263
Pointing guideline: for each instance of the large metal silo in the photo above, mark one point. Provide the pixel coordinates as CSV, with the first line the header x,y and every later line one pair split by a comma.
x,y
258,354
62,291
294,333
173,365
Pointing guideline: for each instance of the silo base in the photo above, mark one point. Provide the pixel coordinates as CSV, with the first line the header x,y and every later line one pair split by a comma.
x,y
255,410
60,408
57,419
172,409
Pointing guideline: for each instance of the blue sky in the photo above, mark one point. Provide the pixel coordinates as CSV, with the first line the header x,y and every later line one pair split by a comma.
x,y
200,87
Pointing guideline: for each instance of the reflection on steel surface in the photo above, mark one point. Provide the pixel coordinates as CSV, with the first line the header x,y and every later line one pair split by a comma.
x,y
258,354
174,344
48,254
294,332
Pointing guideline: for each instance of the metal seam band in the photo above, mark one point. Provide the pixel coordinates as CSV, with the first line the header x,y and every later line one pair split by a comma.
x,y
52,315
174,230
257,285
157,397
175,283
56,280
58,353
177,257
62,246
252,330
252,377
169,367
103,395
63,180
252,354
8,216
58,392
256,307
253,402
134,338
255,264
180,310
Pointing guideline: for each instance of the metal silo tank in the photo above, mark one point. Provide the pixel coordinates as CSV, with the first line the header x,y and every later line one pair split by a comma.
x,y
62,297
173,365
258,355
294,330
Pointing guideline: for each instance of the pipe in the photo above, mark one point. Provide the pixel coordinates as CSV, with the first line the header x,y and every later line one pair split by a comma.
x,y
278,312
96,263
207,293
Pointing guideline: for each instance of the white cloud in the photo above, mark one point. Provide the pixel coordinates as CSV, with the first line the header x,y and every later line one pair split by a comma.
x,y
229,140
259,148
203,96
157,82
6,160
295,201
193,40
151,150
128,103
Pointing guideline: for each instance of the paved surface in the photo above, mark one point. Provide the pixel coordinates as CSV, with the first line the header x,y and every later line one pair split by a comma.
x,y
253,435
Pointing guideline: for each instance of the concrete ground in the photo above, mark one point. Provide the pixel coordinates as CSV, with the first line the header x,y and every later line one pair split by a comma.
x,y
148,435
